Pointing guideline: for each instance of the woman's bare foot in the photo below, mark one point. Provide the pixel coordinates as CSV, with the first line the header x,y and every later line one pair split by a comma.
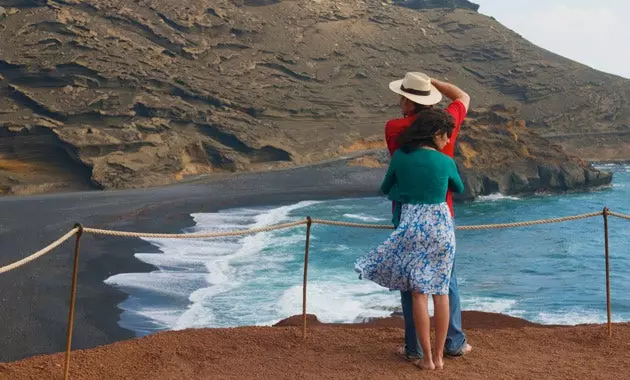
x,y
425,364
439,360
439,363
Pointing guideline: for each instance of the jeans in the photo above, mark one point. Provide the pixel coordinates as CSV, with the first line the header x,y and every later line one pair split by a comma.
x,y
455,337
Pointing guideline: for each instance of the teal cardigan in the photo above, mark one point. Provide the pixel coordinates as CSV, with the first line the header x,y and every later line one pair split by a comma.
x,y
420,177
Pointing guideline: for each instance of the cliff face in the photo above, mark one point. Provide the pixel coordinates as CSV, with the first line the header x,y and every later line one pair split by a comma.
x,y
497,153
123,94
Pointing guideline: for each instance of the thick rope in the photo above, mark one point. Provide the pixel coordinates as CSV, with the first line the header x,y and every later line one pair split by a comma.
x,y
208,235
531,222
354,225
477,227
39,253
205,235
618,215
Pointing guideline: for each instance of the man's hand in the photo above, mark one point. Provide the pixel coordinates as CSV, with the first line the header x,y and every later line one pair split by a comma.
x,y
452,92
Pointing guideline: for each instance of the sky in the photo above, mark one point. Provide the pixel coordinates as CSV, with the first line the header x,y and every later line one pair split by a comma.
x,y
593,32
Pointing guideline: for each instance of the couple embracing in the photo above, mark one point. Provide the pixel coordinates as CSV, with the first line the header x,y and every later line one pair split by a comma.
x,y
418,257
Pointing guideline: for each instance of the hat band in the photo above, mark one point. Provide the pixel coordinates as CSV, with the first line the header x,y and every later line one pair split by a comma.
x,y
414,92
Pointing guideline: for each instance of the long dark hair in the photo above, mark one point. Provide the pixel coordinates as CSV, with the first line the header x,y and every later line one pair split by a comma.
x,y
418,108
428,124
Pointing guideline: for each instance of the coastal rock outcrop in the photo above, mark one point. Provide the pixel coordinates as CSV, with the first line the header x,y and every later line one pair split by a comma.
x,y
123,94
497,153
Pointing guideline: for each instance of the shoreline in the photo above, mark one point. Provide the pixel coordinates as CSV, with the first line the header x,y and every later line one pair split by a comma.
x,y
36,297
209,179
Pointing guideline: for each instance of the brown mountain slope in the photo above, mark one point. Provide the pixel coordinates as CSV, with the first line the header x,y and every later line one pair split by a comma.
x,y
146,92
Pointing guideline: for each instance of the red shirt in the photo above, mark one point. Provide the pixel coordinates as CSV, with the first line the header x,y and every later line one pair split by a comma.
x,y
393,128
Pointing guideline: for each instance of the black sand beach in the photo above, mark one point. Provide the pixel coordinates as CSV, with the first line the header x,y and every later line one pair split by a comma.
x,y
35,298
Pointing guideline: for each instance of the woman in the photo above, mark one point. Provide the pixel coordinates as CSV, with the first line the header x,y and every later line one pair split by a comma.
x,y
418,256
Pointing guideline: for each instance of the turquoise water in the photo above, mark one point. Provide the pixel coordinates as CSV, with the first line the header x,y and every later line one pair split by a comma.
x,y
553,274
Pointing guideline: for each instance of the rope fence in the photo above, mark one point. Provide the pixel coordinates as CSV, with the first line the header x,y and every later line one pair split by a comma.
x,y
469,228
40,253
618,215
206,235
210,235
79,230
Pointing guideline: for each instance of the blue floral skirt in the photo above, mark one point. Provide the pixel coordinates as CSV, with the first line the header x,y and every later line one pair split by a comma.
x,y
418,256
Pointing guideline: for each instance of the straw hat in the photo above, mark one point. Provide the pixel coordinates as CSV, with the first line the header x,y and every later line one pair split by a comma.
x,y
417,87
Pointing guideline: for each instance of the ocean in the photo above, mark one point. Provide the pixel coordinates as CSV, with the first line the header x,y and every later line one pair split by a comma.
x,y
550,274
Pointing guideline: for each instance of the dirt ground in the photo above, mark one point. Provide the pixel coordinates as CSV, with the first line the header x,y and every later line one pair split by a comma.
x,y
504,348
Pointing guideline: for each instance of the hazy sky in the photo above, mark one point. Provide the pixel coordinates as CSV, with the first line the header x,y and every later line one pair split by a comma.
x,y
593,32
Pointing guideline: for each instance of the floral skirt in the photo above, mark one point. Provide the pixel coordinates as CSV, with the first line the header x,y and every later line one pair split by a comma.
x,y
418,256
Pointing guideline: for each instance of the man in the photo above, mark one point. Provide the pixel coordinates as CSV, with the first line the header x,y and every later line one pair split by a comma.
x,y
417,93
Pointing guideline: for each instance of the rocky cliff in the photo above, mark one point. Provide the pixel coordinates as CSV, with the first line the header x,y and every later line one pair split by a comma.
x,y
121,94
497,153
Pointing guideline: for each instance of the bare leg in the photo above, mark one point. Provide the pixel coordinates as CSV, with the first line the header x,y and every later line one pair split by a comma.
x,y
441,318
423,327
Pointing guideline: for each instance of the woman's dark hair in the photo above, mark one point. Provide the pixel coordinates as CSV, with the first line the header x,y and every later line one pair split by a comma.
x,y
428,124
417,108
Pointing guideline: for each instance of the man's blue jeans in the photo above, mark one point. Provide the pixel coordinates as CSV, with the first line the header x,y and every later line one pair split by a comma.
x,y
455,338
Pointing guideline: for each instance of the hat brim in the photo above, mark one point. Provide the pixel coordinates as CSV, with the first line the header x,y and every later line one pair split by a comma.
x,y
434,98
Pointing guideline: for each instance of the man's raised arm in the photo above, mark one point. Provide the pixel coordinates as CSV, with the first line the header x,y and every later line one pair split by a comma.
x,y
452,92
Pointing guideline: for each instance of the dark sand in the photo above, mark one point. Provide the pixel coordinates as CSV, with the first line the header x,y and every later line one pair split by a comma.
x,y
34,299
505,348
